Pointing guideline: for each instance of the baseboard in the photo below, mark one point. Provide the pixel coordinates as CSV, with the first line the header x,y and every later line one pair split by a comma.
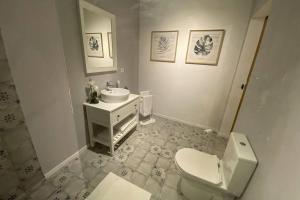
x,y
65,162
224,135
184,122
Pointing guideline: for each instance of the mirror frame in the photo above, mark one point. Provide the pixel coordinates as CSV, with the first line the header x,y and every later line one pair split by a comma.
x,y
85,5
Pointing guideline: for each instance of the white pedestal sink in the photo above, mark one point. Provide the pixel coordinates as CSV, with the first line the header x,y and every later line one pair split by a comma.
x,y
114,95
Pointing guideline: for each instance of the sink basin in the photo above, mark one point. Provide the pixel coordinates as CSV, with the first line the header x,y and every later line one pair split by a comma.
x,y
114,95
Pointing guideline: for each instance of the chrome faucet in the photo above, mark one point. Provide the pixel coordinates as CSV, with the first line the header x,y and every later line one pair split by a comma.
x,y
109,85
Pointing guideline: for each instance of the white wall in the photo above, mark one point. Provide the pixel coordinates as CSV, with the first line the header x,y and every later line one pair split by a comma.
x,y
270,112
36,58
196,94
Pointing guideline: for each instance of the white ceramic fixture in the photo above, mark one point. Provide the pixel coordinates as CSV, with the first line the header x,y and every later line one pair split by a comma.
x,y
114,95
206,177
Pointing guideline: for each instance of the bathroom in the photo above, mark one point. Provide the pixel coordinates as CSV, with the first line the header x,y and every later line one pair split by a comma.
x,y
251,88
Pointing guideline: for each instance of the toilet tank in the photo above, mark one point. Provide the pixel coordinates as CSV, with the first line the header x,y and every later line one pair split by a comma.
x,y
239,163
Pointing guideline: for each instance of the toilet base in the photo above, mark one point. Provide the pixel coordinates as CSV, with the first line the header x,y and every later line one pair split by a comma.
x,y
195,191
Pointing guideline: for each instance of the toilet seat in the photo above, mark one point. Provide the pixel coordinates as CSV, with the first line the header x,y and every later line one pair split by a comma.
x,y
198,165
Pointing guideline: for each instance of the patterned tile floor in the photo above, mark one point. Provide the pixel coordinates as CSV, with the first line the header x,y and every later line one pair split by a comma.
x,y
146,158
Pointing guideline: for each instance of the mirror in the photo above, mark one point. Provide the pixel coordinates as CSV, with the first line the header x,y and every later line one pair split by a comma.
x,y
98,28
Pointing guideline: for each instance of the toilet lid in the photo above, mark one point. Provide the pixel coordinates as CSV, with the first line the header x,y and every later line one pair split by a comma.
x,y
199,165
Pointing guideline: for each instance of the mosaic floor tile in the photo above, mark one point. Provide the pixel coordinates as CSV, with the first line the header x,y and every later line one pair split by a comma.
x,y
125,172
8,181
159,141
151,158
141,135
154,133
172,178
83,194
75,185
14,193
98,162
89,173
146,159
158,174
98,178
59,195
111,166
144,145
153,186
121,156
145,168
173,139
138,179
43,191
171,146
76,166
168,193
62,179
167,153
133,162
163,163
128,148
155,149
140,153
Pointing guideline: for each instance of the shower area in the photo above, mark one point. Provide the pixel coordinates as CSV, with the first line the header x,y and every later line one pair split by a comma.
x,y
19,165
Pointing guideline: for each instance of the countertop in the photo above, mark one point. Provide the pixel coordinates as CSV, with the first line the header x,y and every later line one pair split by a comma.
x,y
110,107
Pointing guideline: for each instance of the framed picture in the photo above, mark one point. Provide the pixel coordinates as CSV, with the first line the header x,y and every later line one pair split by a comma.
x,y
204,47
94,45
109,37
163,46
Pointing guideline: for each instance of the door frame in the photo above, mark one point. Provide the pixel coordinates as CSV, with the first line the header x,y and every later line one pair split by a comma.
x,y
245,66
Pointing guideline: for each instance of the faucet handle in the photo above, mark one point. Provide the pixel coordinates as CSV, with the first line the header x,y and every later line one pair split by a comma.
x,y
109,83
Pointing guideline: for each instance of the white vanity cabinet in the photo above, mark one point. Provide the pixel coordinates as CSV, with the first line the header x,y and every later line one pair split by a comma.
x,y
108,123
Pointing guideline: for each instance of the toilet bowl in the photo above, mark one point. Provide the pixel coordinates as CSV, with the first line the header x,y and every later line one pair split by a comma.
x,y
205,177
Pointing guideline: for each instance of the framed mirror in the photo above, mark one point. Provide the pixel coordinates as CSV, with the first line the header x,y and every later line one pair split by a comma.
x,y
98,29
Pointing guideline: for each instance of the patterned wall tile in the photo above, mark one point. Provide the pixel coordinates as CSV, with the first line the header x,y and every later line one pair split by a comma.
x,y
23,153
28,169
8,95
5,165
14,138
11,117
13,194
8,181
4,71
2,51
19,167
27,184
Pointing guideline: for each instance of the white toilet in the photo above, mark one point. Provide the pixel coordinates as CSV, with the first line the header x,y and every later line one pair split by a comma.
x,y
205,177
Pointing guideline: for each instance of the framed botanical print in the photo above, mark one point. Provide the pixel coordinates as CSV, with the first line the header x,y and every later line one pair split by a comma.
x,y
163,46
109,38
204,47
94,45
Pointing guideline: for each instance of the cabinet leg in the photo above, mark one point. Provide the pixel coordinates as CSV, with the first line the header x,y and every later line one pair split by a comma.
x,y
92,143
112,150
91,133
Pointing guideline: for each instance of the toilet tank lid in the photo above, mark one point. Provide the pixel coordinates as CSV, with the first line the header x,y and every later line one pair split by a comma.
x,y
199,165
243,147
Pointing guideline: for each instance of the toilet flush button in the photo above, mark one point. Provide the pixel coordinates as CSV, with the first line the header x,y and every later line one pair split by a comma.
x,y
243,143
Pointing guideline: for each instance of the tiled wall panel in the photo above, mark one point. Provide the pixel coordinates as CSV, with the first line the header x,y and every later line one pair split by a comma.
x,y
19,166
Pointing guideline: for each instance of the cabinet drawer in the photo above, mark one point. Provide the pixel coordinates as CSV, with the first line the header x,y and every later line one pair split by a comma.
x,y
123,112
